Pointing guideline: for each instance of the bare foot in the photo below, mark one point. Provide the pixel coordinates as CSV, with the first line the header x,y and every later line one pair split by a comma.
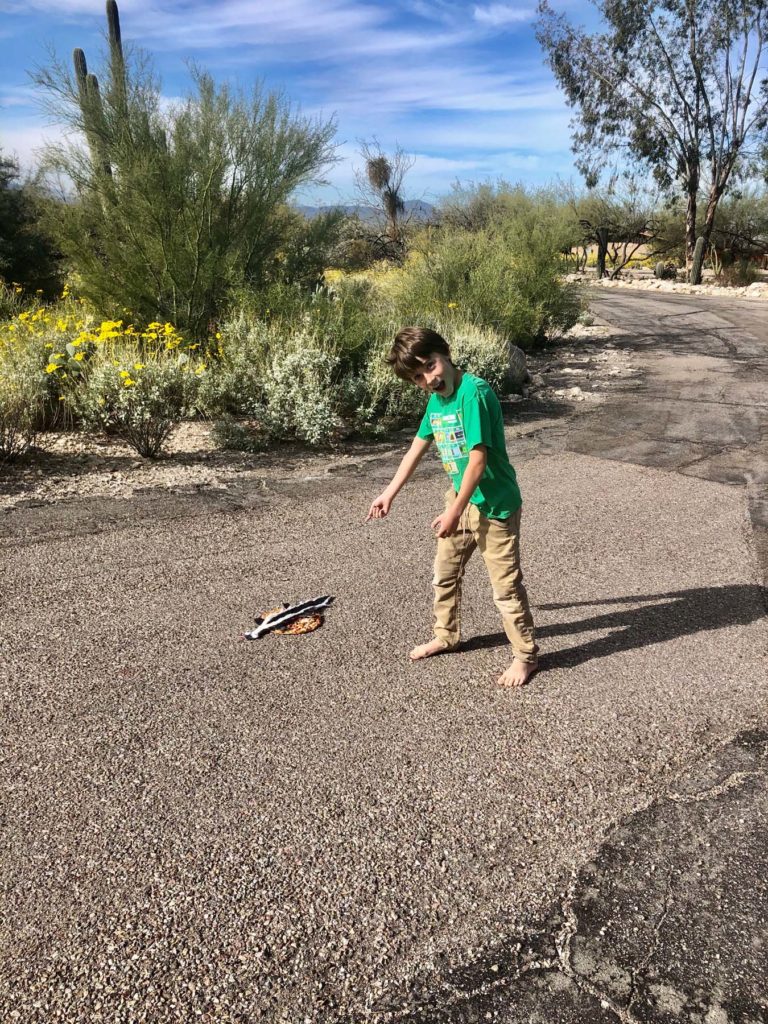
x,y
518,673
427,650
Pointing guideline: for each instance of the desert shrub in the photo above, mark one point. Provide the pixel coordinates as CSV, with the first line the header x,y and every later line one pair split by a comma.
x,y
12,301
480,351
234,383
138,397
302,393
510,282
738,274
173,204
33,345
23,398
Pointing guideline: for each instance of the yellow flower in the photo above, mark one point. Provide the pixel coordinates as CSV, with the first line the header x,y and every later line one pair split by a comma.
x,y
218,336
51,367
17,290
124,373
138,366
452,305
79,357
58,355
129,382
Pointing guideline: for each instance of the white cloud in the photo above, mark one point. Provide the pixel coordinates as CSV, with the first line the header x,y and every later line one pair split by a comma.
x,y
380,89
18,96
497,15
25,139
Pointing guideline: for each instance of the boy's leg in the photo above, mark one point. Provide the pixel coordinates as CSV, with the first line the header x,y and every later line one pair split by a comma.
x,y
453,553
499,543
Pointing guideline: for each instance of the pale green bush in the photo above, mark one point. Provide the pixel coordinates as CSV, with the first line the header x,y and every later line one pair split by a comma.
x,y
301,398
481,351
22,403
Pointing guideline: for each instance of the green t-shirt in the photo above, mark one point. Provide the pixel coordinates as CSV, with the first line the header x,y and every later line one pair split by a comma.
x,y
469,417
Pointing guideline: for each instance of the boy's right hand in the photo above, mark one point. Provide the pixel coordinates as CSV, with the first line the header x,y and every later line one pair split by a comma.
x,y
379,507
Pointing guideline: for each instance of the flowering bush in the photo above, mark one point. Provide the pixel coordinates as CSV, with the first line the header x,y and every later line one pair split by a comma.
x,y
22,403
132,382
140,398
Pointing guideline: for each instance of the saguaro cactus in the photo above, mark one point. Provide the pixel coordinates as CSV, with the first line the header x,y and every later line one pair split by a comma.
x,y
92,111
698,259
117,62
89,94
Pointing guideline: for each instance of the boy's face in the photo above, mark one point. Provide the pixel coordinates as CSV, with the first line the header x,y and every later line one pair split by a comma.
x,y
437,375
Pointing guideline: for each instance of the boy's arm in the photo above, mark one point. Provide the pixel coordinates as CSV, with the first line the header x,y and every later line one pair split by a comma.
x,y
446,523
381,505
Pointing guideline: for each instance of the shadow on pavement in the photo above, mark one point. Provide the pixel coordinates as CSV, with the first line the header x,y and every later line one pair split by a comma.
x,y
671,615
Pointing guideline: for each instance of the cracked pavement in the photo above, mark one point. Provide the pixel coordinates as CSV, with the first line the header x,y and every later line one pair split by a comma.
x,y
311,829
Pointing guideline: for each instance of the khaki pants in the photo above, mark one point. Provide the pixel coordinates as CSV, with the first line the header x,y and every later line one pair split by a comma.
x,y
499,543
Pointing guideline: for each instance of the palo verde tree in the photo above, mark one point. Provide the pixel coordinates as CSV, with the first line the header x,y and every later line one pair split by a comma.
x,y
674,84
172,207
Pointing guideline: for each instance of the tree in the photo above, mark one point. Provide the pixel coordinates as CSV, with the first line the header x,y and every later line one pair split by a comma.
x,y
26,254
173,208
381,185
671,83
628,213
741,227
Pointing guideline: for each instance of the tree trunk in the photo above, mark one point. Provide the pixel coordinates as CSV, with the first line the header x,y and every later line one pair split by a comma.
x,y
602,251
715,194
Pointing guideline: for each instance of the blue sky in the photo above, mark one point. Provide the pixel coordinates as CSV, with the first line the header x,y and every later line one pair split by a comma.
x,y
462,86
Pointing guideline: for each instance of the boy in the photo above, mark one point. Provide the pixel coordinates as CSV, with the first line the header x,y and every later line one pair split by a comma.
x,y
483,504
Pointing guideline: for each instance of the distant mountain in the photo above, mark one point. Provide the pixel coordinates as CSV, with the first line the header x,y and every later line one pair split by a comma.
x,y
415,209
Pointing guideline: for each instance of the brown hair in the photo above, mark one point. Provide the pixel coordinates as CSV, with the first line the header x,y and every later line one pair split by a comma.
x,y
412,346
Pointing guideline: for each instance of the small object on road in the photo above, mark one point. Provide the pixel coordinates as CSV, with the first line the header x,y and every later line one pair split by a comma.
x,y
293,619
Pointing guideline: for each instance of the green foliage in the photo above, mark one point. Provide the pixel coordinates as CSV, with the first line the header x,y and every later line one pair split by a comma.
x,y
741,224
24,399
138,398
27,258
509,280
174,207
740,274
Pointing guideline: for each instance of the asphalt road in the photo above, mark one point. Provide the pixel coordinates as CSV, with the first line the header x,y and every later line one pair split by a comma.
x,y
311,829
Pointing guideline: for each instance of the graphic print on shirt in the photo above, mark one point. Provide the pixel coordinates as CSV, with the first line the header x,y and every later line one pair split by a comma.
x,y
448,432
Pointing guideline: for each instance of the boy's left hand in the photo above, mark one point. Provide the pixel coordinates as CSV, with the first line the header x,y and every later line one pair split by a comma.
x,y
446,523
